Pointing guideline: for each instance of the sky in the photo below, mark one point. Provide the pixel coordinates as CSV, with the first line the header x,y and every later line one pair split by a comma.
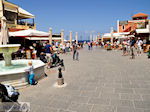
x,y
83,16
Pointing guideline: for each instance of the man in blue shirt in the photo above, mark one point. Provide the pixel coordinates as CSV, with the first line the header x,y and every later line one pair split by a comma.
x,y
48,51
48,48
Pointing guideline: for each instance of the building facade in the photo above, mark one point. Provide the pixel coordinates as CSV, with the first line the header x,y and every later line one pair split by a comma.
x,y
138,26
139,21
17,18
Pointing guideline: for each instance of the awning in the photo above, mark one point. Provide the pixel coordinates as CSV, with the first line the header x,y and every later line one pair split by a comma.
x,y
10,7
115,34
142,31
37,38
24,14
42,38
29,33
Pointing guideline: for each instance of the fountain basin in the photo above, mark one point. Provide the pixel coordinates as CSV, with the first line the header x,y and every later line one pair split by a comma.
x,y
16,75
7,50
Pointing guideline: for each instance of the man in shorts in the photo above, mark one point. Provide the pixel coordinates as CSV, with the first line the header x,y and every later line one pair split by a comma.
x,y
139,46
48,51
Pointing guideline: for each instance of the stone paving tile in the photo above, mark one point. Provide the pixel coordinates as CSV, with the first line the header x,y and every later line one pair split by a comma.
x,y
128,109
99,101
100,82
90,94
69,92
88,88
114,85
146,97
80,107
131,97
72,87
61,98
106,90
123,90
144,86
142,91
64,110
142,104
147,110
59,104
126,103
130,86
100,108
79,99
109,96
42,108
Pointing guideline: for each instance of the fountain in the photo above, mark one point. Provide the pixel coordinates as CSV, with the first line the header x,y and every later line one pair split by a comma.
x,y
13,72
7,50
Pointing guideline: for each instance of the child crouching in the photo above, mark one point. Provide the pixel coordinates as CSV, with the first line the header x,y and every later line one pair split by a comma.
x,y
31,74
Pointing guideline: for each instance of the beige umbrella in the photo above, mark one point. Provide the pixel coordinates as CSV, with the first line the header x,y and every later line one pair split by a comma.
x,y
4,32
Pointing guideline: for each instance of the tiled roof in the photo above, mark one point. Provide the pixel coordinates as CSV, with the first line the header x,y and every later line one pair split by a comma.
x,y
140,15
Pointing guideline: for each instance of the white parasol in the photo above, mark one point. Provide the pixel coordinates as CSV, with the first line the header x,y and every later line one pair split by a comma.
x,y
4,32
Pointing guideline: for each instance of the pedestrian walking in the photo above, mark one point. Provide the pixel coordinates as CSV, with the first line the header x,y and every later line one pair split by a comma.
x,y
48,51
132,47
148,53
89,46
139,46
75,52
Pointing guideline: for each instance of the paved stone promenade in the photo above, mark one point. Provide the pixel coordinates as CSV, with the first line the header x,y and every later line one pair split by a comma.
x,y
102,81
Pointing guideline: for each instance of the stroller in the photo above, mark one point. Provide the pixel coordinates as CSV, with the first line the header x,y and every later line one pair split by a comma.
x,y
8,93
43,57
56,61
8,99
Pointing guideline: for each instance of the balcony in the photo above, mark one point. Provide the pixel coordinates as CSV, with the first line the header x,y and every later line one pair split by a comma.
x,y
20,25
141,26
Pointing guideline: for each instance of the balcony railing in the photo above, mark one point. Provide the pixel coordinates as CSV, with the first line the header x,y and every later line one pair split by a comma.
x,y
20,25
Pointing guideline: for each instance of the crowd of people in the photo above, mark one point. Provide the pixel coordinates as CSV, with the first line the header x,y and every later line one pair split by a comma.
x,y
48,53
130,46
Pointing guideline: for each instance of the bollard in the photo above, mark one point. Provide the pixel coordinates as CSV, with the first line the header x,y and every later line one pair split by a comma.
x,y
60,80
62,64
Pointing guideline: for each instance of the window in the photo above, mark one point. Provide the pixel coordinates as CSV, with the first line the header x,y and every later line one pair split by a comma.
x,y
123,27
